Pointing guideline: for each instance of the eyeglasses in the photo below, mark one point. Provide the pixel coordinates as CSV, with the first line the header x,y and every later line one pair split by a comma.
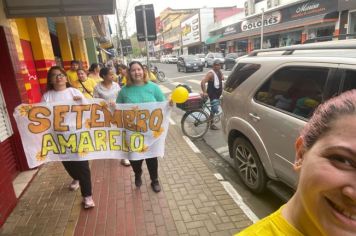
x,y
59,76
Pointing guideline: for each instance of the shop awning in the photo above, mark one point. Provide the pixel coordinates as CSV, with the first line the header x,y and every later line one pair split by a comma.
x,y
36,8
323,18
213,39
168,46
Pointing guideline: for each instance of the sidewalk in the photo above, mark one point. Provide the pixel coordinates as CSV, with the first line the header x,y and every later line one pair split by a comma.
x,y
192,201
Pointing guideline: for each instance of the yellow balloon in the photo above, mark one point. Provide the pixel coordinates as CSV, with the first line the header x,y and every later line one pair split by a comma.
x,y
180,95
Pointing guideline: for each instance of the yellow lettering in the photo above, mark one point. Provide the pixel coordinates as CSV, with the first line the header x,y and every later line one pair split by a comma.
x,y
70,143
48,144
85,143
100,140
125,147
112,140
136,142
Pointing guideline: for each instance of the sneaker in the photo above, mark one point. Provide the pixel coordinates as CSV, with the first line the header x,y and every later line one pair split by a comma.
x,y
125,162
214,127
88,202
138,181
155,186
74,185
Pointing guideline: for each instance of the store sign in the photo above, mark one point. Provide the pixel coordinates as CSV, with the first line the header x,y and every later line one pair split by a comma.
x,y
231,29
309,8
255,23
191,30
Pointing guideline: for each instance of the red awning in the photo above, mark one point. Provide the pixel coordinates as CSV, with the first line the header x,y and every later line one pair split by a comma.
x,y
168,46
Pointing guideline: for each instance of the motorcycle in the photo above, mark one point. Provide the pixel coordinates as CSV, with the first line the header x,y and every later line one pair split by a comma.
x,y
158,73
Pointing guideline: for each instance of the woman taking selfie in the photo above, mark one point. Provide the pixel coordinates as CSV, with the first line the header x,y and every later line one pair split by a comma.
x,y
324,203
140,90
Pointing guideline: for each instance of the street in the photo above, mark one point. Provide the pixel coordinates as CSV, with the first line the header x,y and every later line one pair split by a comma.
x,y
213,145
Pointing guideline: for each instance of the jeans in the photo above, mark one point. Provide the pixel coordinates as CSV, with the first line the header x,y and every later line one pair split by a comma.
x,y
215,103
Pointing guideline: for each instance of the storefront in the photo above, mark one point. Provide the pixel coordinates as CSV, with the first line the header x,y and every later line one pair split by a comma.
x,y
285,26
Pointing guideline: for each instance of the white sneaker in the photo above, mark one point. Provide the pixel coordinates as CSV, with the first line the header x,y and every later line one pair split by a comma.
x,y
125,162
74,185
88,202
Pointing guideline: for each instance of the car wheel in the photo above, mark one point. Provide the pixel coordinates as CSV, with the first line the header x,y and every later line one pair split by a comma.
x,y
248,165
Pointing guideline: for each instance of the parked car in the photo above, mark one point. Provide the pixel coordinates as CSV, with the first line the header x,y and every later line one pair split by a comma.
x,y
163,59
202,57
172,59
269,96
211,57
230,60
189,63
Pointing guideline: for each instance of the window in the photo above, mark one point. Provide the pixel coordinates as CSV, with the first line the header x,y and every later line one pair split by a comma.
x,y
349,80
298,90
241,72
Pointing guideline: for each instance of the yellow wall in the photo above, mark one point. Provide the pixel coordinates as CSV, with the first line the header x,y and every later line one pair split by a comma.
x,y
22,28
64,42
40,38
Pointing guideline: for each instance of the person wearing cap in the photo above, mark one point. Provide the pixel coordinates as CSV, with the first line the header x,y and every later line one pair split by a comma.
x,y
214,80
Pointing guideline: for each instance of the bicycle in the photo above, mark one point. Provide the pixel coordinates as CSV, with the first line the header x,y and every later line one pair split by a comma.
x,y
196,119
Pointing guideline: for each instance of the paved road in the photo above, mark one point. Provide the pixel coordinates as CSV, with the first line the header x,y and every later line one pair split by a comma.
x,y
214,146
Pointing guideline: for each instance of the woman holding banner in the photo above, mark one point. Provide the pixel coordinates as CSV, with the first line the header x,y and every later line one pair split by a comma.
x,y
58,89
139,89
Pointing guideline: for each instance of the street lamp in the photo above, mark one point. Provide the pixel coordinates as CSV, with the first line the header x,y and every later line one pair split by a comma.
x,y
262,26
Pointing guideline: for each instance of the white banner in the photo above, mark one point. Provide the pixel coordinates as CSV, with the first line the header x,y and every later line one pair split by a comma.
x,y
95,130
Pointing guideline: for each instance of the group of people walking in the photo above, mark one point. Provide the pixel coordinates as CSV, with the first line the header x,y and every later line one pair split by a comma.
x,y
124,84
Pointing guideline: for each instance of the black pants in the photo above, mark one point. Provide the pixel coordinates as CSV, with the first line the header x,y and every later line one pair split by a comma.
x,y
79,170
152,166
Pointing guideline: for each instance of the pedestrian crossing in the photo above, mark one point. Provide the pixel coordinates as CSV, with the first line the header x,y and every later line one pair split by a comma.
x,y
168,87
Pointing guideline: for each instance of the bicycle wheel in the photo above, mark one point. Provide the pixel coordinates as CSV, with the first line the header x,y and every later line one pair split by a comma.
x,y
195,123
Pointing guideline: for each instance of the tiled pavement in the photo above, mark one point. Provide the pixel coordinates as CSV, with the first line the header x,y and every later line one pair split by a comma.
x,y
192,201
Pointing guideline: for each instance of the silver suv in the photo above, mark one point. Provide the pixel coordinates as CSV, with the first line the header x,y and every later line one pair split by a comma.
x,y
269,96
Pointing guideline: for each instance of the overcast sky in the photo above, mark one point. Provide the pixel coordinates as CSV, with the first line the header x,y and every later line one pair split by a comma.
x,y
160,5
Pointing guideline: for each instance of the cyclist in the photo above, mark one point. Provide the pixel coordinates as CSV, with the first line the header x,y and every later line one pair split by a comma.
x,y
214,79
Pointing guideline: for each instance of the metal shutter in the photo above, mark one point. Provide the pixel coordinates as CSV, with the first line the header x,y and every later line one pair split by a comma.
x,y
5,126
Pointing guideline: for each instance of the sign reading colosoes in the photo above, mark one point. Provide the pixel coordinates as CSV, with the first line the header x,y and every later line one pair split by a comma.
x,y
269,19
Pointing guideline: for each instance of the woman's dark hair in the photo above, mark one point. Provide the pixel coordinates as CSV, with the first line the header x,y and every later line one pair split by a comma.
x,y
104,72
93,66
50,74
129,79
321,121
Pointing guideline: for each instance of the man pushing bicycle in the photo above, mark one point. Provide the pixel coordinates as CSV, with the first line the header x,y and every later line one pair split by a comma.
x,y
214,79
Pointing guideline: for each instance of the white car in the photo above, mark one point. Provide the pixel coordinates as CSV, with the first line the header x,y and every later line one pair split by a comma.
x,y
163,59
201,57
172,59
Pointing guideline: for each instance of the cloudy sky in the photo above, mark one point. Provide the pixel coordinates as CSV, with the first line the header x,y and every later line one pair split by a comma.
x,y
160,5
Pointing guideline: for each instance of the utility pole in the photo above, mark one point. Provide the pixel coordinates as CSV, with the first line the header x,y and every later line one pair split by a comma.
x,y
119,35
262,26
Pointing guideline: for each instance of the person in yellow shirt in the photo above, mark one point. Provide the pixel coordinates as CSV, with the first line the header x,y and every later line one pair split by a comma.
x,y
94,71
122,75
149,74
86,85
72,74
324,203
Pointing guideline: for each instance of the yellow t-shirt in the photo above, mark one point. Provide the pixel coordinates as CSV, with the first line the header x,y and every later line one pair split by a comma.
x,y
89,84
97,79
72,78
273,225
152,76
123,80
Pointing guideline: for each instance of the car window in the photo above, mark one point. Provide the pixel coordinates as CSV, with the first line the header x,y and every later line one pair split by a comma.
x,y
349,80
298,90
241,72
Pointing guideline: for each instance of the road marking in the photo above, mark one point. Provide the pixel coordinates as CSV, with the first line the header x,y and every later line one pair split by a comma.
x,y
222,149
191,144
186,76
172,121
165,89
194,81
219,176
176,83
239,201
